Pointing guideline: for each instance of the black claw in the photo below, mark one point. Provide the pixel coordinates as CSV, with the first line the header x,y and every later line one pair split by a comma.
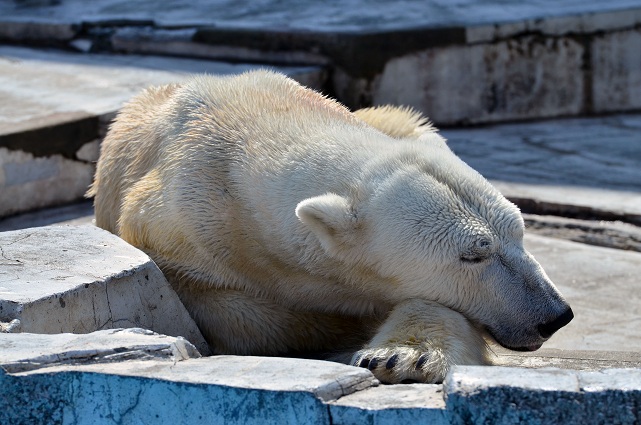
x,y
422,360
373,364
364,363
391,362
409,381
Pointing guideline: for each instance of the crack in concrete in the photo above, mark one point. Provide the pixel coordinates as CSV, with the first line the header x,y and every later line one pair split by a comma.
x,y
9,261
110,318
131,408
12,261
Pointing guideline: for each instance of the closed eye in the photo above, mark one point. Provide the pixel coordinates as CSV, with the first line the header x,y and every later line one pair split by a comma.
x,y
473,258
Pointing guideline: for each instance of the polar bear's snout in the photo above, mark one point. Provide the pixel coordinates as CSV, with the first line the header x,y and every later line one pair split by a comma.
x,y
546,330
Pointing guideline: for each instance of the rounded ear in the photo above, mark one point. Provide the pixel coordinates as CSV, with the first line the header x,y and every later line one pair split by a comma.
x,y
331,218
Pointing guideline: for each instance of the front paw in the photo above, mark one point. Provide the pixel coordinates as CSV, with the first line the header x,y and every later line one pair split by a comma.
x,y
403,364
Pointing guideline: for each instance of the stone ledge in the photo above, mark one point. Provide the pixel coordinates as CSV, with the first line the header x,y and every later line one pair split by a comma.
x,y
544,166
391,404
49,138
176,389
82,279
551,396
131,376
25,352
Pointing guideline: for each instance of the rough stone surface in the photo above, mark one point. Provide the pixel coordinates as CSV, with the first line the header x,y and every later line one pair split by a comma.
x,y
545,396
469,61
391,404
568,359
23,352
83,279
603,288
616,71
547,16
583,167
28,182
224,389
609,234
78,86
516,79
135,376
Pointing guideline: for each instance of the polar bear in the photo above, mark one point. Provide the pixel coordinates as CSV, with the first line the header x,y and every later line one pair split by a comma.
x,y
289,225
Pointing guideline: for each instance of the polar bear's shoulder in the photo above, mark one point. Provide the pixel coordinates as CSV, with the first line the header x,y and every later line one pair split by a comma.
x,y
266,91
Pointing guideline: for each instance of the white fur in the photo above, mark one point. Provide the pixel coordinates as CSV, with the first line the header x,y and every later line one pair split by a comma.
x,y
288,224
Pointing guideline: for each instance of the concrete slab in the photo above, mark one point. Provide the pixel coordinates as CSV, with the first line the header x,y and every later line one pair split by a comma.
x,y
502,81
577,359
224,389
88,86
82,279
133,376
545,396
23,352
391,404
585,167
602,285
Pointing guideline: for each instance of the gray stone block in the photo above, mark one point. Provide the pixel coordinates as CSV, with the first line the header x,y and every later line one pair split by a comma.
x,y
484,395
24,352
224,389
391,404
82,279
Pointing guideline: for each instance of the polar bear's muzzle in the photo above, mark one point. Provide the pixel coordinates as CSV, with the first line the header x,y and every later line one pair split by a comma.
x,y
532,339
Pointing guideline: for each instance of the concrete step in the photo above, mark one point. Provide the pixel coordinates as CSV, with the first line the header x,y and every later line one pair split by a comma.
x,y
57,106
578,168
133,376
461,62
83,279
548,396
23,352
609,234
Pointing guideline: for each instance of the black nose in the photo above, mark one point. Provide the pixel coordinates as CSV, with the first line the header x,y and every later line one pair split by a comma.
x,y
547,329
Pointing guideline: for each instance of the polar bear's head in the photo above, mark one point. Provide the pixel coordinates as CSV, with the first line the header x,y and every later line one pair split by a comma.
x,y
439,231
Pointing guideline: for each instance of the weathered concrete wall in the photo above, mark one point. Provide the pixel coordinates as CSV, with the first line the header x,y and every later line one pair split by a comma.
x,y
616,71
548,396
28,182
527,77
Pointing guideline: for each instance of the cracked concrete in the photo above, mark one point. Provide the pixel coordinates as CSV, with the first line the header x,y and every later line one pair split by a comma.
x,y
130,376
